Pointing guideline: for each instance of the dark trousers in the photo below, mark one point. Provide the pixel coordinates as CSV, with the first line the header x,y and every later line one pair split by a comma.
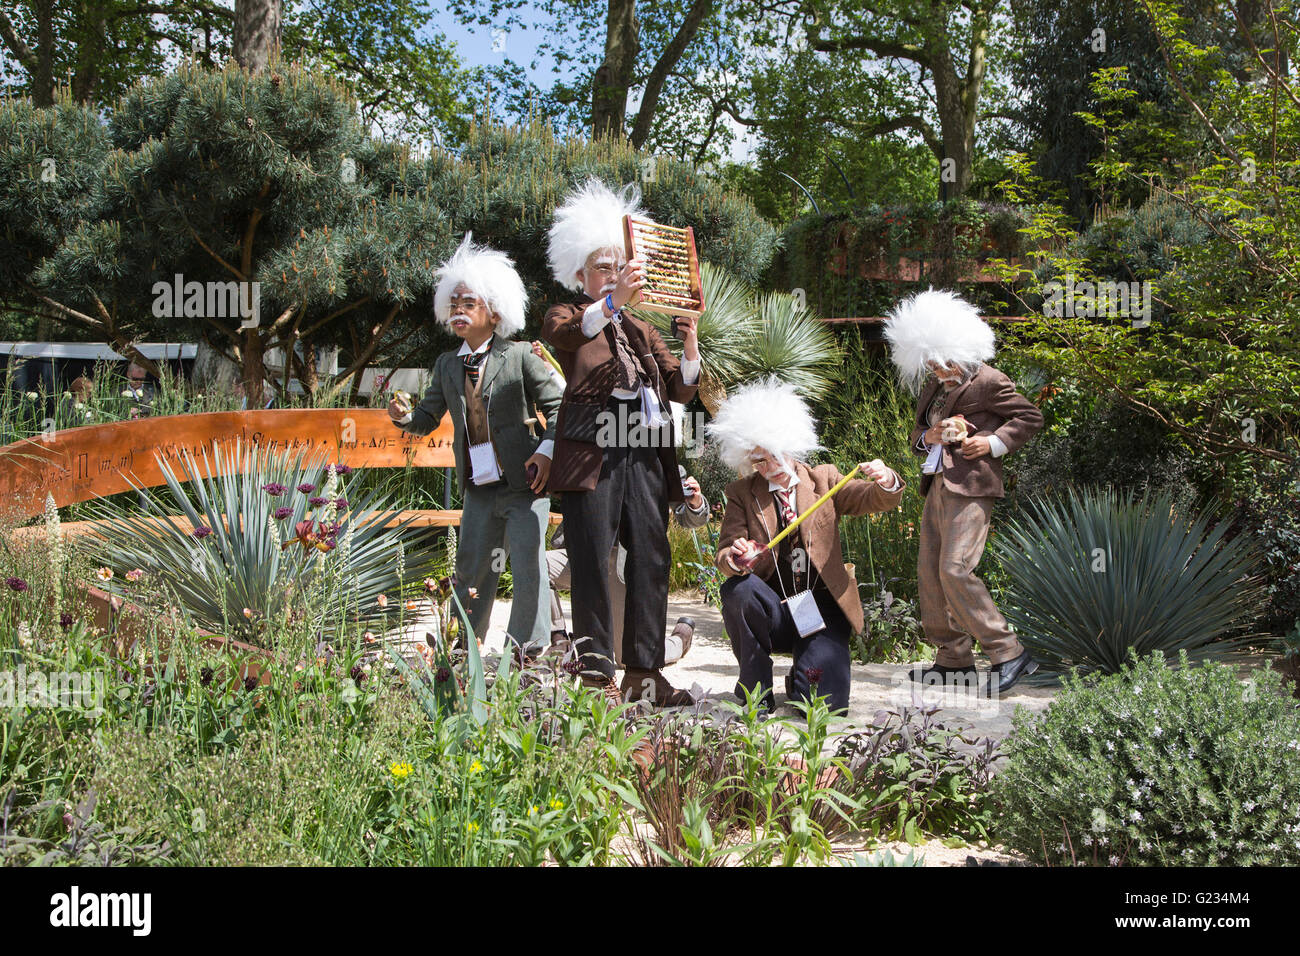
x,y
629,504
758,624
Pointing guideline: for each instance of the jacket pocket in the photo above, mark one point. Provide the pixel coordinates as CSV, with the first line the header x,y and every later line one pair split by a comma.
x,y
579,422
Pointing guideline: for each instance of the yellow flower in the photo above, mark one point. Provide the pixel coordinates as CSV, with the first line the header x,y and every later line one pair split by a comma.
x,y
557,804
532,810
475,767
104,574
472,827
400,770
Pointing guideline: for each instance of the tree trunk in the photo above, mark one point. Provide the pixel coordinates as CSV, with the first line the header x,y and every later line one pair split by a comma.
x,y
256,34
254,368
212,370
43,75
958,136
614,75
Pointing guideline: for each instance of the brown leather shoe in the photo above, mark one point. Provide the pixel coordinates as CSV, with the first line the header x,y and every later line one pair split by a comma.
x,y
685,629
559,647
606,686
654,687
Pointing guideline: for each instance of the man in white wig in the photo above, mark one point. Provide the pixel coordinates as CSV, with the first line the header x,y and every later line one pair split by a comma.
x,y
968,418
615,456
799,597
492,386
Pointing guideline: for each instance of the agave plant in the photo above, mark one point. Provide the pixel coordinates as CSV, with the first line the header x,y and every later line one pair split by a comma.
x,y
744,337
1095,574
261,541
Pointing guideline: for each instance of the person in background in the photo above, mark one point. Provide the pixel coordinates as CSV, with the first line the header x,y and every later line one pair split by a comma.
x,y
969,416
493,387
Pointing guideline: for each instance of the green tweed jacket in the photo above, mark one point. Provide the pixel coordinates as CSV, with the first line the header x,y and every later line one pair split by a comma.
x,y
515,382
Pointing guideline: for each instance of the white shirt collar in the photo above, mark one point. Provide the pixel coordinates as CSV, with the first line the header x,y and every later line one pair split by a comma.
x,y
465,349
773,486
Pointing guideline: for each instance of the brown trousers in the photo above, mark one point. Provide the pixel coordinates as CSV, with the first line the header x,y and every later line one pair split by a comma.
x,y
955,605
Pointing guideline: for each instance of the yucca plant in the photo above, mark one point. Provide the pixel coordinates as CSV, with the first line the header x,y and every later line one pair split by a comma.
x,y
792,342
744,336
270,532
1096,573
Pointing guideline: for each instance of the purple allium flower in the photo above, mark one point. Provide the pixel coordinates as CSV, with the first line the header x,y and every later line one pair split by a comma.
x,y
342,469
317,501
202,531
814,674
442,676
281,513
341,504
65,620
274,489
16,584
306,487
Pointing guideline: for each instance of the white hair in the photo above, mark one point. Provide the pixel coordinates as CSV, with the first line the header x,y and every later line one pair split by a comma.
x,y
769,414
936,326
491,276
589,219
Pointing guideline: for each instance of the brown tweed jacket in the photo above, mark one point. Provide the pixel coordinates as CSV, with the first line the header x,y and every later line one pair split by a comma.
x,y
990,402
751,513
591,370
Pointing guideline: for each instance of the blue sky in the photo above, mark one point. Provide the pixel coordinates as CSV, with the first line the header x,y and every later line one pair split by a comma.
x,y
476,48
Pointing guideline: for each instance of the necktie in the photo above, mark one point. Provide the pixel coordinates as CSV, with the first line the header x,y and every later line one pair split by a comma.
x,y
473,361
629,369
787,512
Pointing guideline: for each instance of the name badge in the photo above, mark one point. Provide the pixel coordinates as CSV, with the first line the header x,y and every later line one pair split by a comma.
x,y
652,413
483,464
805,613
934,461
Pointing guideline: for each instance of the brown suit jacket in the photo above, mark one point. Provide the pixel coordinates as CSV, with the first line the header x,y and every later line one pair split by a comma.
x,y
591,372
990,402
751,513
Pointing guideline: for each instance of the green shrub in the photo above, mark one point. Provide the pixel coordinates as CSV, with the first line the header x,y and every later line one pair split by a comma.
x,y
1156,765
867,416
892,628
1096,573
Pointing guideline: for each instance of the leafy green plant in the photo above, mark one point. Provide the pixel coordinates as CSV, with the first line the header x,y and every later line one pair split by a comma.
x,y
1156,765
744,336
892,628
272,537
915,776
1096,573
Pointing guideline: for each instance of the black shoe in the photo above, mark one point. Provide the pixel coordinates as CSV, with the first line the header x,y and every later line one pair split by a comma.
x,y
938,674
1011,671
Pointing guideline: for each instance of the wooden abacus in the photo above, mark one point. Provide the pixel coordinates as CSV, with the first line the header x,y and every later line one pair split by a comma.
x,y
672,267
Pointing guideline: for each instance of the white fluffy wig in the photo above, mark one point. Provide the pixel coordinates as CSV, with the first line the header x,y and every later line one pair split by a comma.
x,y
935,326
589,219
769,414
490,275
